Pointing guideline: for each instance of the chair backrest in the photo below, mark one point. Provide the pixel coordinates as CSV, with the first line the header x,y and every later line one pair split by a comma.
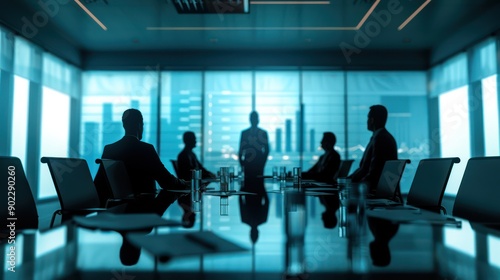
x,y
388,184
176,166
73,182
478,196
344,168
429,183
117,176
16,192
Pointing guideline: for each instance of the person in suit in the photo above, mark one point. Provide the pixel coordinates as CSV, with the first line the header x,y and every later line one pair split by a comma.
x,y
254,148
381,148
187,161
144,168
328,164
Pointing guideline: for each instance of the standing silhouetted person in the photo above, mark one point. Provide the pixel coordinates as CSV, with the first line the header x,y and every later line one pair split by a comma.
x,y
187,161
328,164
254,148
381,148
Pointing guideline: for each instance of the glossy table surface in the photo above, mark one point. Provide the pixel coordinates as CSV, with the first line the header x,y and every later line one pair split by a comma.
x,y
256,223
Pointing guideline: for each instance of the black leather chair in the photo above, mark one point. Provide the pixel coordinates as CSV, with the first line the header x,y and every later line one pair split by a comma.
x,y
388,184
428,185
119,182
176,166
478,196
74,186
16,192
344,168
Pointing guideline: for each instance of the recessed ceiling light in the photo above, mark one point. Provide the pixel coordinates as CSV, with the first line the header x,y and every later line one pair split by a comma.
x,y
91,15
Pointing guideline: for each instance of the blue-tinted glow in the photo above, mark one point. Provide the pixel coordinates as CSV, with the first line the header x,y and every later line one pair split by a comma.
x,y
54,135
20,119
49,241
490,114
455,132
403,93
494,253
462,240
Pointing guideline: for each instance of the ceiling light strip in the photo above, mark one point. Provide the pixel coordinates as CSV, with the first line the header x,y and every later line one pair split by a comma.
x,y
289,2
91,15
195,28
413,15
370,11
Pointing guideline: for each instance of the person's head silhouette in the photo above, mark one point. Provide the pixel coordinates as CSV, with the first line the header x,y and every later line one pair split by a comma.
x,y
254,118
377,117
133,123
328,141
189,139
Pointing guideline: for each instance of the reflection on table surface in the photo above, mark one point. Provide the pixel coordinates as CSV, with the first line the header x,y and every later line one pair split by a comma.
x,y
256,222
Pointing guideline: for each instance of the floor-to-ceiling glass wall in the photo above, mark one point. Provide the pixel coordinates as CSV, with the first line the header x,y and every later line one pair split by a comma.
x,y
404,94
106,95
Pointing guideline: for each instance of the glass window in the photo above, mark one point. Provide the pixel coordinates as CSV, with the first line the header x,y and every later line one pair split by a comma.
x,y
454,125
20,119
228,103
181,110
403,93
278,104
54,134
106,95
323,110
490,116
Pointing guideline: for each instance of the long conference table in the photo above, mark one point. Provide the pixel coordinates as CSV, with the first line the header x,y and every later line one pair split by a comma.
x,y
255,223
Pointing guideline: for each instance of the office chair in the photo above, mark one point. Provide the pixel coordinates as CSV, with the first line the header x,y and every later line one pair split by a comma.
x,y
176,166
344,168
119,181
477,199
74,186
388,184
428,185
16,193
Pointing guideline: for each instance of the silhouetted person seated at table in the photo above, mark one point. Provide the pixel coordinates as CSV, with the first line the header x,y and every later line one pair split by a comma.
x,y
144,168
254,208
254,148
328,164
381,148
187,161
383,231
332,204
